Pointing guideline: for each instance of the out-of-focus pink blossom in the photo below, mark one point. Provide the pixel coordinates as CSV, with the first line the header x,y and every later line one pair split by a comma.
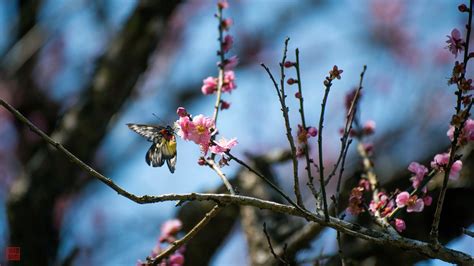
x,y
209,85
413,203
176,259
181,111
469,129
350,97
440,160
229,81
427,200
227,23
223,145
171,228
227,44
155,251
455,42
222,4
467,133
369,127
455,170
400,225
420,171
368,147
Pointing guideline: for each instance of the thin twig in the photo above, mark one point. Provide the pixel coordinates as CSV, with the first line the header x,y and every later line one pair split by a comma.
x,y
282,96
220,79
310,182
219,172
180,242
278,258
266,180
454,144
348,126
328,85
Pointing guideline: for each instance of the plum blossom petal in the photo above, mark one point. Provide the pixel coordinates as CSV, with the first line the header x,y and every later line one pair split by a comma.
x,y
209,85
402,199
223,145
455,170
415,205
186,127
229,81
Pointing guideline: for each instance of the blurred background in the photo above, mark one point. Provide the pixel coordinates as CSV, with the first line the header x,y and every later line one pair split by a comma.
x,y
82,69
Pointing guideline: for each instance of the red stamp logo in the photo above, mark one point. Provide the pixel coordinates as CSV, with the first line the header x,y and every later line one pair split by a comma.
x,y
13,254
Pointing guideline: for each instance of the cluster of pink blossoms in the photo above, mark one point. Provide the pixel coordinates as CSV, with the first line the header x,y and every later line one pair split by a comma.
x,y
200,130
169,231
210,84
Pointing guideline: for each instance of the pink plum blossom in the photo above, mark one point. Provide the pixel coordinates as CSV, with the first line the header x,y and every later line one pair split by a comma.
x,y
413,203
420,171
209,85
400,225
455,170
455,42
467,133
229,81
441,160
186,127
223,145
469,130
202,131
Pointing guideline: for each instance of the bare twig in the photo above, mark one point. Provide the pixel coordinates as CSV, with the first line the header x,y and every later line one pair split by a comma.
x,y
310,183
220,79
348,127
219,172
266,180
327,84
178,243
278,258
282,96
